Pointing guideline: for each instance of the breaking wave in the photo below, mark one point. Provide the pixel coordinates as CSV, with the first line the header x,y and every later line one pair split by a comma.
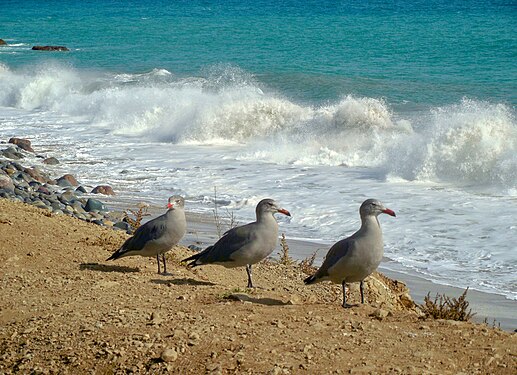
x,y
467,143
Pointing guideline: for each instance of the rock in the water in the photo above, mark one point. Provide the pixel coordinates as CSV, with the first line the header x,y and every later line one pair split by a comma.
x,y
103,189
11,153
22,143
80,189
169,355
67,180
93,205
50,48
6,183
51,161
2,42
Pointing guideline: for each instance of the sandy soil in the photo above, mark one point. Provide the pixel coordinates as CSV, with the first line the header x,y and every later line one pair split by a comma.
x,y
64,309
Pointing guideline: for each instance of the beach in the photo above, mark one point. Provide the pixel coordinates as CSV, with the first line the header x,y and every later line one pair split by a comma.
x,y
107,108
66,310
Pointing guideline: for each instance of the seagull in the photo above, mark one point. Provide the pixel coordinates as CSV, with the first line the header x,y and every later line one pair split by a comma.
x,y
356,257
244,245
157,236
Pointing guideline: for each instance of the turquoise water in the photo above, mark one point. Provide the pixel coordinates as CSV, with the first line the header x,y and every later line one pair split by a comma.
x,y
422,52
318,106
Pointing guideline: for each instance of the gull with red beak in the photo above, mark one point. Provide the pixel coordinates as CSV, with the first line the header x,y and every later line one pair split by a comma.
x,y
356,257
244,245
157,236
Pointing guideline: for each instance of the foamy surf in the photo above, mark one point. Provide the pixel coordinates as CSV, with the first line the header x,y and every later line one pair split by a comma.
x,y
471,142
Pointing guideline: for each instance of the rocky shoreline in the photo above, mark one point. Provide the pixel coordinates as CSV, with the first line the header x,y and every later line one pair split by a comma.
x,y
61,195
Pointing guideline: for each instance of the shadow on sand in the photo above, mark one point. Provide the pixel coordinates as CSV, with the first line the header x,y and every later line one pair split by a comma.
x,y
181,282
107,268
261,301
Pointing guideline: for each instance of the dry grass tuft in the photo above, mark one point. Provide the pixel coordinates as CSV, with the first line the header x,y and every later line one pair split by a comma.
x,y
307,264
444,307
134,217
107,240
229,218
285,259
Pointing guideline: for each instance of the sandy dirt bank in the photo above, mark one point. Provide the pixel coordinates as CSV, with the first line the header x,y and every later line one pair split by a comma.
x,y
64,309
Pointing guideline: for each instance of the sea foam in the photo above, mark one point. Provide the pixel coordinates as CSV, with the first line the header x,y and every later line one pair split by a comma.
x,y
468,143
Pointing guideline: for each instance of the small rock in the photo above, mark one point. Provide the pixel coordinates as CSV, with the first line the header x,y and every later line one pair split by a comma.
x,y
11,153
78,208
380,314
67,180
156,318
51,161
193,339
122,225
80,189
50,48
22,143
36,174
103,189
195,248
2,42
169,355
294,300
43,190
67,197
93,205
6,184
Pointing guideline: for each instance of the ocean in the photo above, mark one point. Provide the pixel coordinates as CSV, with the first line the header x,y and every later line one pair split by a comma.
x,y
319,106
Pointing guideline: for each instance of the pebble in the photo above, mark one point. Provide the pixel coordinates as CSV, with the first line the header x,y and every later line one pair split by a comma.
x,y
169,355
380,314
295,300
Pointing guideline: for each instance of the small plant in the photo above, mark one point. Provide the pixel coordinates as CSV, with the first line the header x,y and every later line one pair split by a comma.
x,y
285,259
135,220
444,307
307,264
230,218
495,323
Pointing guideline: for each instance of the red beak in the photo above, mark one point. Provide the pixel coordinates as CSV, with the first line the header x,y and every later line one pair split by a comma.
x,y
169,205
389,212
285,212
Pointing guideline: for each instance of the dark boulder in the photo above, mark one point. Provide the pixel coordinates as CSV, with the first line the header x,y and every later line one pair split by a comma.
x,y
103,189
51,161
22,143
50,48
11,153
93,205
67,180
2,42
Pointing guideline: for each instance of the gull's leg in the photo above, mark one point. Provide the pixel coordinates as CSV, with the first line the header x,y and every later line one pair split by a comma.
x,y
248,270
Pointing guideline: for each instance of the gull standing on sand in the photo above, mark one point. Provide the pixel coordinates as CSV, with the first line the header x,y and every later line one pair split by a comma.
x,y
157,236
356,257
244,245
